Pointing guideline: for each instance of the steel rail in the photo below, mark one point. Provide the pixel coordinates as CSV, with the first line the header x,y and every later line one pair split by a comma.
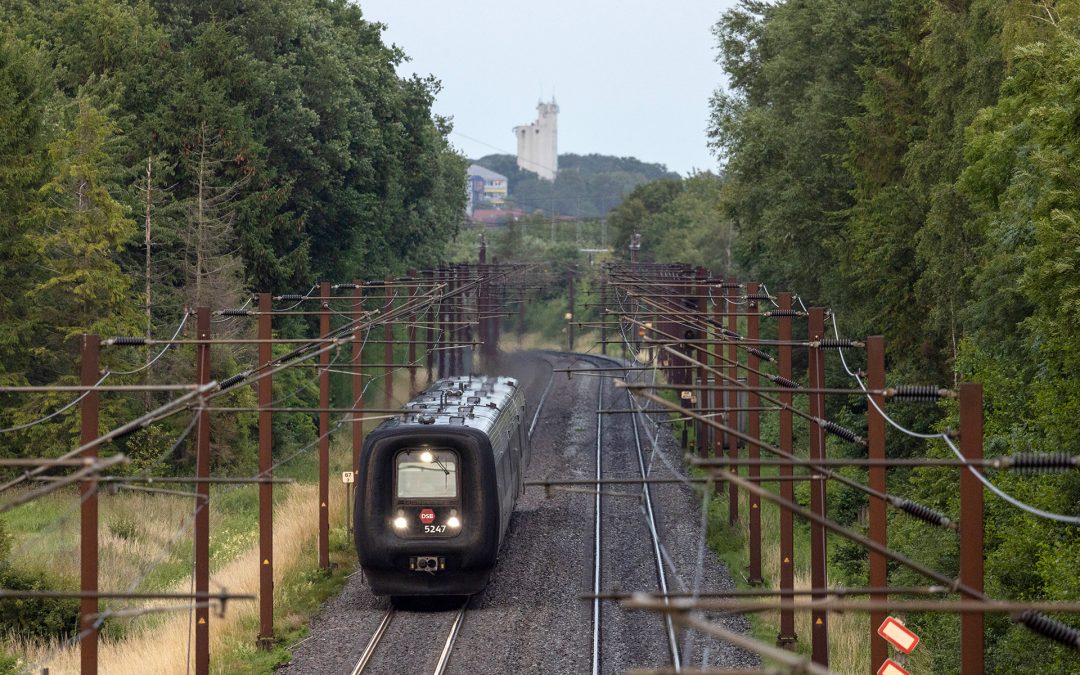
x,y
455,627
597,533
661,575
540,404
373,643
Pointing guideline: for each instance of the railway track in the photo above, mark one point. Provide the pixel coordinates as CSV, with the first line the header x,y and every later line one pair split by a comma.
x,y
373,643
553,555
654,535
598,532
368,655
598,536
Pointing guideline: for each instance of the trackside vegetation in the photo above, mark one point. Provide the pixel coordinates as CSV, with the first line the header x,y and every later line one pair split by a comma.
x,y
156,156
912,165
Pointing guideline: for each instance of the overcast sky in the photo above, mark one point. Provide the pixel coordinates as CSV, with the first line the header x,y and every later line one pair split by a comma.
x,y
632,77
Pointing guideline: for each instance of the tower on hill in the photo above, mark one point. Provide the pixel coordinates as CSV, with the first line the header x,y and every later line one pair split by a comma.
x,y
538,143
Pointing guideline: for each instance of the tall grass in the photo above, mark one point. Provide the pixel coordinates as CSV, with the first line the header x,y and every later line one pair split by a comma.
x,y
849,646
136,529
155,645
583,342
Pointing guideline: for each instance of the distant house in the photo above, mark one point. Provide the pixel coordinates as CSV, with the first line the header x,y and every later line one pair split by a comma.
x,y
486,186
496,216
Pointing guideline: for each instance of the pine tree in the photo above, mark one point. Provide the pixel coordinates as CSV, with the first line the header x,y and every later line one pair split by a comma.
x,y
23,96
81,228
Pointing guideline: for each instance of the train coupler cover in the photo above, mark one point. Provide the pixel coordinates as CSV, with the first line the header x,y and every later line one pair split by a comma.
x,y
429,564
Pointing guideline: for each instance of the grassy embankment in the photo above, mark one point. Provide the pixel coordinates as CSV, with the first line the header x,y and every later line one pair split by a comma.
x,y
145,544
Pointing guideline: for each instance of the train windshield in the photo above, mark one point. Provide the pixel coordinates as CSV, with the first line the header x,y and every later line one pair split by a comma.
x,y
426,474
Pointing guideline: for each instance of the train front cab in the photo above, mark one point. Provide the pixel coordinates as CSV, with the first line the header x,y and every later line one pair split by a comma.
x,y
426,523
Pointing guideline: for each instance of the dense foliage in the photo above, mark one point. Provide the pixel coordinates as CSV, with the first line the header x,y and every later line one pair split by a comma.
x,y
913,165
587,186
678,220
161,155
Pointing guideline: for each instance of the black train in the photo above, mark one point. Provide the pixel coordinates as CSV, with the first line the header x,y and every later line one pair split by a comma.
x,y
436,487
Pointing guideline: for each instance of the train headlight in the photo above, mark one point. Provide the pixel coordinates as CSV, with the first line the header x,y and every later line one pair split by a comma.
x,y
427,457
400,522
453,521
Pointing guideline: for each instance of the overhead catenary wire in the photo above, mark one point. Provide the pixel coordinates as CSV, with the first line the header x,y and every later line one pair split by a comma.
x,y
355,334
907,506
165,409
151,362
653,436
945,437
187,523
60,411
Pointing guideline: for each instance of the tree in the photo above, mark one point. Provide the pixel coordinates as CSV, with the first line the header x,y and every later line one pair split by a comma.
x,y
80,229
23,96
213,271
780,131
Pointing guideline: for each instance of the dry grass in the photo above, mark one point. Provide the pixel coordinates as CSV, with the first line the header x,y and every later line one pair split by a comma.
x,y
161,646
135,530
849,635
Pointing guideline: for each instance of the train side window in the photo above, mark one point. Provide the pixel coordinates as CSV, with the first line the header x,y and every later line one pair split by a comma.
x,y
424,473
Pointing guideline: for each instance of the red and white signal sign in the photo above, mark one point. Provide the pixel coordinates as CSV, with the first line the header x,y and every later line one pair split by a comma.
x,y
898,635
427,516
891,667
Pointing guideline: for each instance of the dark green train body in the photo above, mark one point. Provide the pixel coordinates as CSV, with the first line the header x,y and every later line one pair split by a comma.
x,y
436,488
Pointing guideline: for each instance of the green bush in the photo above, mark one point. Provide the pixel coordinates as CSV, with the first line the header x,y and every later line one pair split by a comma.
x,y
9,663
36,617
